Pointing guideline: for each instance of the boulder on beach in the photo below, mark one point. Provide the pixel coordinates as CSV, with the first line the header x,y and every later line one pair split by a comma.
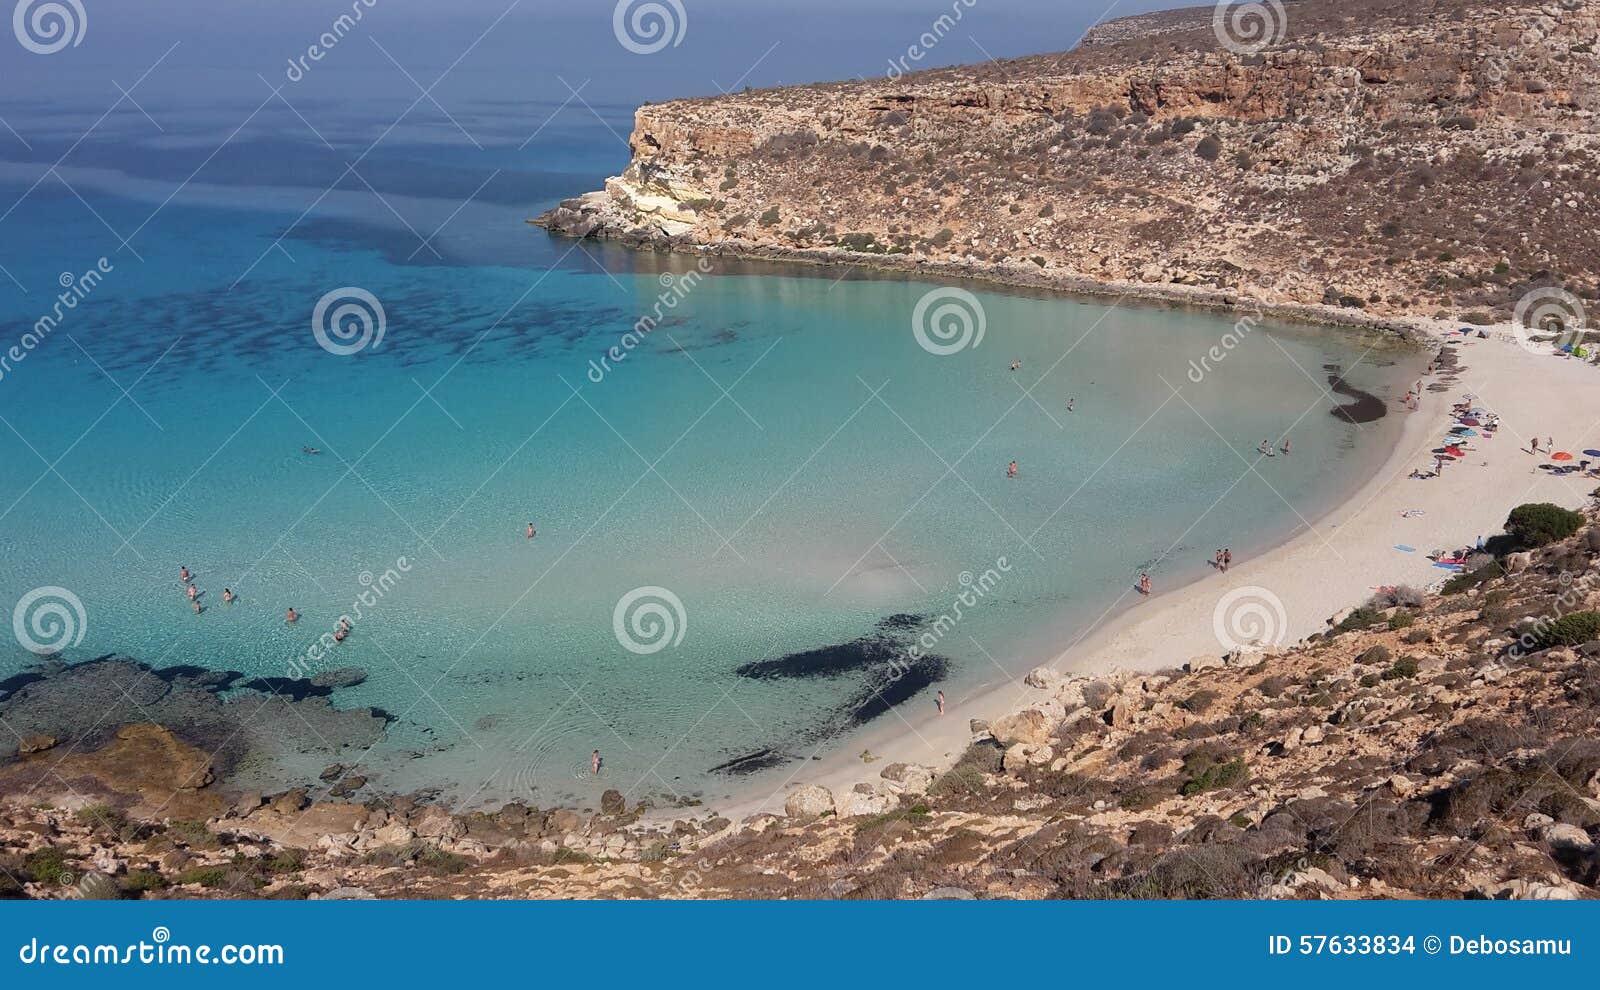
x,y
808,802
1031,725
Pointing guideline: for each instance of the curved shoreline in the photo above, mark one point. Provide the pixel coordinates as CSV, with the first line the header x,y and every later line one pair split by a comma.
x,y
1336,562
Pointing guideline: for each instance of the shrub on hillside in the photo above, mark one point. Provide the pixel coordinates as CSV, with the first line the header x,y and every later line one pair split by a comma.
x,y
1569,630
1537,524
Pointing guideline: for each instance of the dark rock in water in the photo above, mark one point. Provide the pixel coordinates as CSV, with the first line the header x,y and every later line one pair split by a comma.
x,y
332,771
752,763
244,726
344,677
293,688
1366,407
612,802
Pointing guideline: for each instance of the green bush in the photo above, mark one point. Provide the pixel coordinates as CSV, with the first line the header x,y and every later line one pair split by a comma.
x,y
1401,620
1574,629
205,876
1217,775
1405,667
1539,523
48,866
1375,654
1468,580
1361,618
141,881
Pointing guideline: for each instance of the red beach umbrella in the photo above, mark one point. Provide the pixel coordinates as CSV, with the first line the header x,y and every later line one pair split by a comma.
x,y
1561,455
1469,421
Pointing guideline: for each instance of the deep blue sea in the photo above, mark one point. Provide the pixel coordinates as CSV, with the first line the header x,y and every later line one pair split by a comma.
x,y
739,523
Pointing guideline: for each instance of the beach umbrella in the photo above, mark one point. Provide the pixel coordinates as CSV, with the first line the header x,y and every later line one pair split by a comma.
x,y
1454,451
1471,421
1591,453
1561,455
1468,433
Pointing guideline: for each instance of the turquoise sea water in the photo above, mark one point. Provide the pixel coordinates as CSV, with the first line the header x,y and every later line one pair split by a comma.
x,y
780,456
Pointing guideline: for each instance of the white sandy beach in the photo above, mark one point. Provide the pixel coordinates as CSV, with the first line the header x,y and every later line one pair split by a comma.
x,y
1335,563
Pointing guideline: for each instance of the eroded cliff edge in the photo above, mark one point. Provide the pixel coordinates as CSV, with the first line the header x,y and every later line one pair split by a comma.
x,y
1380,162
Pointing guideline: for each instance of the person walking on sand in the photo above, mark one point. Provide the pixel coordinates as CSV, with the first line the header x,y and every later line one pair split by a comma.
x,y
594,762
1533,446
940,702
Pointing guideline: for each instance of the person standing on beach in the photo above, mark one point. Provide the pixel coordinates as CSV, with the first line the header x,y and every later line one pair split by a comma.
x,y
594,762
1227,559
940,702
1533,446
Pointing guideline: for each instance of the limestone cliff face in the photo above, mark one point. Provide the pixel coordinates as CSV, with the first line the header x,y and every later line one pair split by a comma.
x,y
1428,158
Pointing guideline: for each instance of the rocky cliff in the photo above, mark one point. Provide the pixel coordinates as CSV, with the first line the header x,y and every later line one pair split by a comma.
x,y
1423,159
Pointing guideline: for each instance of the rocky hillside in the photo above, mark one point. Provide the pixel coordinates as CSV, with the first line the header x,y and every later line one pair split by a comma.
x,y
1373,159
1434,746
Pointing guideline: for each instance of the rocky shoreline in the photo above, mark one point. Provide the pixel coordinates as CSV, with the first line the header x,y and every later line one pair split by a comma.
x,y
1424,745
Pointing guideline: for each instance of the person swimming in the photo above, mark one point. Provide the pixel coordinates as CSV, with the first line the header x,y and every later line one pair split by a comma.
x,y
292,615
1016,365
1286,445
194,593
227,595
532,532
338,635
309,450
1071,402
183,574
1011,472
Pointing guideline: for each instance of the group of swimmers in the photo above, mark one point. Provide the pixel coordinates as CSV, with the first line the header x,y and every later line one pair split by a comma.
x,y
186,577
1265,447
